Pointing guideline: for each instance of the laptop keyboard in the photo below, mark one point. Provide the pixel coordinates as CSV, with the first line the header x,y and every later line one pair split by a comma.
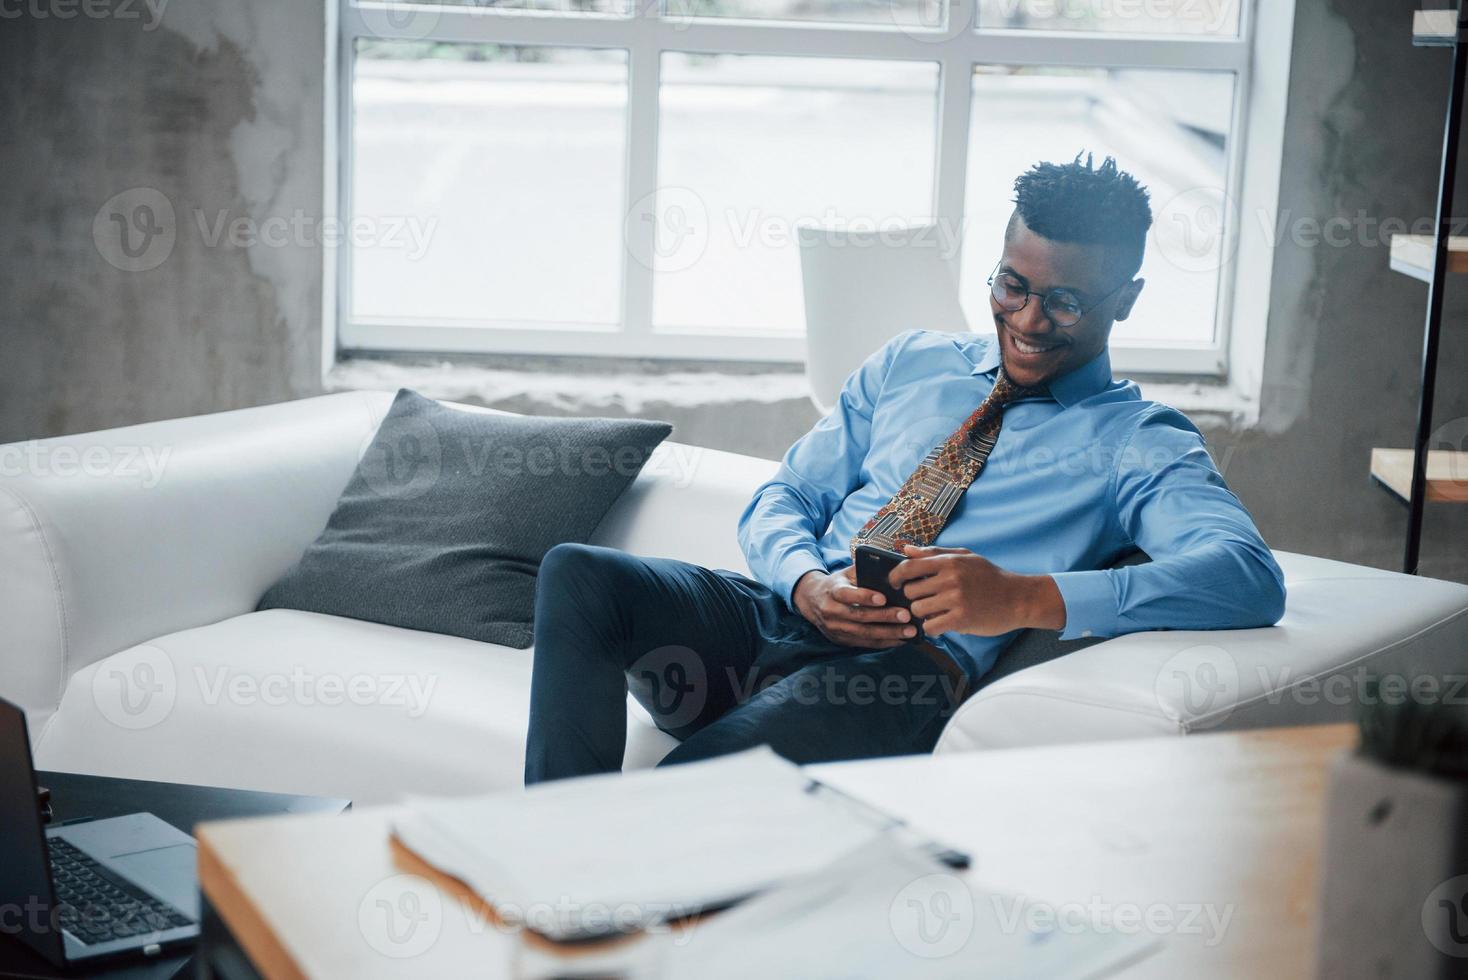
x,y
96,906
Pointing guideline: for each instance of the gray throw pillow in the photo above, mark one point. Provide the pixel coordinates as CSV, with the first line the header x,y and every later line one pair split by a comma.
x,y
445,521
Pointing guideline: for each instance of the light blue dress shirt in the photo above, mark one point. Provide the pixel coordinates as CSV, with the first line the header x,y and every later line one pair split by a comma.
x,y
1075,481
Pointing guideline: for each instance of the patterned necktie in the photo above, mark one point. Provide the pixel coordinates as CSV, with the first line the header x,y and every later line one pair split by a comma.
x,y
922,507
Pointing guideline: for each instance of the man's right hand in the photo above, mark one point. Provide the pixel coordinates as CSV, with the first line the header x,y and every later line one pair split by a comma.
x,y
849,615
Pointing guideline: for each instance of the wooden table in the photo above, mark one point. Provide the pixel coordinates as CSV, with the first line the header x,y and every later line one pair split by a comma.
x,y
1222,823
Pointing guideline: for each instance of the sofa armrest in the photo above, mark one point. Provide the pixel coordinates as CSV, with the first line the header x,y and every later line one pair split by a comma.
x,y
1344,626
112,538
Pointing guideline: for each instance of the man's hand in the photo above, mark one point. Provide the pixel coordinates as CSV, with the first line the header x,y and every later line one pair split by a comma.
x,y
954,590
849,615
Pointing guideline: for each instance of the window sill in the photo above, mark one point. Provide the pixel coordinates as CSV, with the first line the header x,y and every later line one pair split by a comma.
x,y
589,386
1211,404
573,388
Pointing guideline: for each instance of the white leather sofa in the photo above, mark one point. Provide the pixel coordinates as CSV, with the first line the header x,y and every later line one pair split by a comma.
x,y
133,560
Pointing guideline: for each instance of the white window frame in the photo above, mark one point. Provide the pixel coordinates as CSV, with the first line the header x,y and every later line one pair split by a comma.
x,y
1259,57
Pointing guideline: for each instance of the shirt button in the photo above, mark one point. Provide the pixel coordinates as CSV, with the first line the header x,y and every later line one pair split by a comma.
x,y
1085,632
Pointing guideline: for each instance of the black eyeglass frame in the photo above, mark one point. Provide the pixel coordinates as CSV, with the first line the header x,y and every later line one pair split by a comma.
x,y
1045,297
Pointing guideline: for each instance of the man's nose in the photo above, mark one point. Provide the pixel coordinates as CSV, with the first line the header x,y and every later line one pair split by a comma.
x,y
1032,319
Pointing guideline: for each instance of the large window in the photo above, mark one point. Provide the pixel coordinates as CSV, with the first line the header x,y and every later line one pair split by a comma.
x,y
626,177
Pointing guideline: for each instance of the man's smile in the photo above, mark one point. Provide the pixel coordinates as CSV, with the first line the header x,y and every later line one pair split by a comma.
x,y
1034,357
1033,347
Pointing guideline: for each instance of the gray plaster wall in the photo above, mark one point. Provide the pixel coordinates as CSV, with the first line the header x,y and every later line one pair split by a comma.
x,y
1364,141
218,107
212,106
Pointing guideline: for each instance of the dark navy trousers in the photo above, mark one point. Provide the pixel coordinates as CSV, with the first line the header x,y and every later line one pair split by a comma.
x,y
719,661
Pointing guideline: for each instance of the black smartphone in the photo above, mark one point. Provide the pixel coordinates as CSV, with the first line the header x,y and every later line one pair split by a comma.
x,y
873,565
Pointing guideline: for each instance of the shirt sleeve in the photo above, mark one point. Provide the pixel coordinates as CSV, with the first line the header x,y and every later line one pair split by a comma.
x,y
780,529
1210,567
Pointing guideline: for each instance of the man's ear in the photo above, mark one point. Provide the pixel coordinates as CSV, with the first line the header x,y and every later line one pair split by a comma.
x,y
1127,298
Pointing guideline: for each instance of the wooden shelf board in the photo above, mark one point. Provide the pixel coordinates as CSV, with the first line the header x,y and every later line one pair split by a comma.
x,y
1434,28
1447,474
1412,255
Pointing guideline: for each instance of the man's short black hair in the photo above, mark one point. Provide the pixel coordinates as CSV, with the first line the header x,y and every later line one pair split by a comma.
x,y
1080,202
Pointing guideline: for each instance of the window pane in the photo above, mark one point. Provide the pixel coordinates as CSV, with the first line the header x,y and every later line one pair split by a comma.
x,y
508,162
1212,18
910,14
751,148
1168,128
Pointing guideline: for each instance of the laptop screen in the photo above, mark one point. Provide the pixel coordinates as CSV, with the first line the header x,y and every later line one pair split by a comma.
x,y
26,898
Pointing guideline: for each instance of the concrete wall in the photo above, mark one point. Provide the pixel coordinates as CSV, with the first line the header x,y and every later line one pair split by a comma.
x,y
1364,141
218,108
212,111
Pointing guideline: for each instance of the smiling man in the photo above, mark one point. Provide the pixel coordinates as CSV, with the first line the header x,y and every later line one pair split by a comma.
x,y
1012,472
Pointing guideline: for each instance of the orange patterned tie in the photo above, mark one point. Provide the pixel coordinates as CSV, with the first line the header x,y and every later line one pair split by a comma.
x,y
922,507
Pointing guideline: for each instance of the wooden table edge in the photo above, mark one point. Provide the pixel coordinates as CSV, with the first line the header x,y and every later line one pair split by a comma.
x,y
240,916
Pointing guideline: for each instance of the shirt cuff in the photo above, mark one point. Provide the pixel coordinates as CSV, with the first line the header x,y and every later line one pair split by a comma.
x,y
1090,604
789,572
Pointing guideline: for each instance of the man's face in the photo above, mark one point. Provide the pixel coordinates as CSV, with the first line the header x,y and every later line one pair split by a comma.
x,y
1035,350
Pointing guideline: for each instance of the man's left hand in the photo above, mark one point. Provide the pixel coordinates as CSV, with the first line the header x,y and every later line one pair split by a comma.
x,y
954,590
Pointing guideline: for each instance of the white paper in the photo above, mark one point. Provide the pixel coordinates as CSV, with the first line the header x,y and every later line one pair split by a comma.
x,y
617,852
887,910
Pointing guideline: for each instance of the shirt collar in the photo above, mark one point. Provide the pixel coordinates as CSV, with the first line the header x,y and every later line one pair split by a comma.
x,y
1073,386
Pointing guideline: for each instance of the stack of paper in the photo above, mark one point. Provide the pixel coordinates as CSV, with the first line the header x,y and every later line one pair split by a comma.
x,y
829,889
592,857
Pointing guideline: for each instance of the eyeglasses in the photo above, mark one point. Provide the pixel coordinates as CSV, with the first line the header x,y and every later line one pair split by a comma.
x,y
1062,306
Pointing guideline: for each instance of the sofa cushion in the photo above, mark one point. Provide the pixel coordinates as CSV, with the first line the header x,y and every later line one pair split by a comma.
x,y
300,702
1344,626
443,525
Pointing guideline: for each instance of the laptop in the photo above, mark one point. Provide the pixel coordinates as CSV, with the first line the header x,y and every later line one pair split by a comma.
x,y
89,890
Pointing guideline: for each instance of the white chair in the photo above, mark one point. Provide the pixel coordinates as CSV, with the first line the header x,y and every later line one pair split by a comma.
x,y
864,287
